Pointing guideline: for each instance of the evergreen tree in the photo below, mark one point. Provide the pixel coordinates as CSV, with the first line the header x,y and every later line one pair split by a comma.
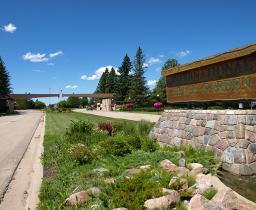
x,y
111,81
159,92
5,87
124,79
102,85
138,90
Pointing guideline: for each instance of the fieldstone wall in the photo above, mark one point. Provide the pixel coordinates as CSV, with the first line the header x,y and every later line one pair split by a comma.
x,y
230,134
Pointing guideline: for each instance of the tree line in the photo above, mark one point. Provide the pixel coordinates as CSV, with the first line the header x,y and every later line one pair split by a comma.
x,y
129,84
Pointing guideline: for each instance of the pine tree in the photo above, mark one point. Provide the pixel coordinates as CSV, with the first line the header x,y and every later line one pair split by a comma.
x,y
102,85
111,81
5,87
124,79
138,91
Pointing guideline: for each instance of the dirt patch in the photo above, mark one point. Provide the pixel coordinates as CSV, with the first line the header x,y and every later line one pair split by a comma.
x,y
49,171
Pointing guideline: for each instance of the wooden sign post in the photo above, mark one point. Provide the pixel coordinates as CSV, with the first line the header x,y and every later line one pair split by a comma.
x,y
223,77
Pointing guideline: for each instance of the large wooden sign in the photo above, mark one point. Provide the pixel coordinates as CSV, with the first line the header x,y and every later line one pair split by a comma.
x,y
232,79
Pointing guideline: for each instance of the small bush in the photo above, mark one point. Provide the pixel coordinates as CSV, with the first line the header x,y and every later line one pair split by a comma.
x,y
210,193
144,127
149,145
134,141
80,153
106,127
132,193
80,127
116,145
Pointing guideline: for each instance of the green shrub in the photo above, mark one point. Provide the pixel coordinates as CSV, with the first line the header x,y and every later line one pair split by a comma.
x,y
132,193
134,141
209,194
80,127
144,127
116,145
180,206
80,153
149,145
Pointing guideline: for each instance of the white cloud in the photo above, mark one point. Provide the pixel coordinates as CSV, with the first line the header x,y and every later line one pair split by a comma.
x,y
145,65
35,57
161,56
41,57
10,28
55,54
153,61
151,82
71,86
98,73
183,53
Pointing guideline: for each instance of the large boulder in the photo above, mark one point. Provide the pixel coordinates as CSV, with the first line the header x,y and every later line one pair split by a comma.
x,y
168,165
77,199
199,202
231,200
166,201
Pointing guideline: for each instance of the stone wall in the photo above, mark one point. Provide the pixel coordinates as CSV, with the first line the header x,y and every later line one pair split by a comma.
x,y
230,134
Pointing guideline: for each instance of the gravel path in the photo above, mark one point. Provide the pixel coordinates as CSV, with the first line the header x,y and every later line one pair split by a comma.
x,y
122,115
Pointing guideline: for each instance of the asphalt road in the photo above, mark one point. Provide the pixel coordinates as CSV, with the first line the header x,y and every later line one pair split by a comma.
x,y
16,132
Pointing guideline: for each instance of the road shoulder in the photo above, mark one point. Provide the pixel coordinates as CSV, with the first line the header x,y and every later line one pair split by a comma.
x,y
24,188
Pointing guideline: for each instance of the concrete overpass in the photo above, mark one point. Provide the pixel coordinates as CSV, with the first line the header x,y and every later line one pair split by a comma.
x,y
42,95
106,97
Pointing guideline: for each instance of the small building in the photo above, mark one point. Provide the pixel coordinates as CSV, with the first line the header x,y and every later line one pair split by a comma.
x,y
6,104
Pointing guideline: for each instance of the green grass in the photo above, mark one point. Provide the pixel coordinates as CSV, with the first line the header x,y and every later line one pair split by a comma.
x,y
67,169
210,193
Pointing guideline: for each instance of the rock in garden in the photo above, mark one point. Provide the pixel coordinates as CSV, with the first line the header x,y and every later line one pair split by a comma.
x,y
167,191
145,167
182,171
133,171
182,162
77,199
95,191
109,181
168,165
196,171
196,165
202,186
173,180
205,170
230,200
166,201
199,202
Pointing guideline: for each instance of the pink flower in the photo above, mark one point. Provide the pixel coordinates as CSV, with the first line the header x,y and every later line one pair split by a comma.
x,y
158,105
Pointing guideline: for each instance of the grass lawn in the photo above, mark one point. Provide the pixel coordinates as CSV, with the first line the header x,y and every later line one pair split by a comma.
x,y
66,171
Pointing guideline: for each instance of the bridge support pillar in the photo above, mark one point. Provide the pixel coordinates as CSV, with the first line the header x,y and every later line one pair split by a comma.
x,y
106,104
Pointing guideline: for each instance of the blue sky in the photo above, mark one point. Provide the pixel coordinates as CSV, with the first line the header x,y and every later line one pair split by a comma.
x,y
49,45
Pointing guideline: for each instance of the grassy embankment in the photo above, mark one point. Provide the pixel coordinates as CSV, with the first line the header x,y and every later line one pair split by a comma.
x,y
68,167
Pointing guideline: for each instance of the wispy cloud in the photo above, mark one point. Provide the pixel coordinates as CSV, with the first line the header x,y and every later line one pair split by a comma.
x,y
152,61
71,86
56,54
10,28
183,53
38,57
97,73
41,57
151,82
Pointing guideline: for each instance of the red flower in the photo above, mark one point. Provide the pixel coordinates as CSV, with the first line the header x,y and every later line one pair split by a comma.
x,y
158,105
129,105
